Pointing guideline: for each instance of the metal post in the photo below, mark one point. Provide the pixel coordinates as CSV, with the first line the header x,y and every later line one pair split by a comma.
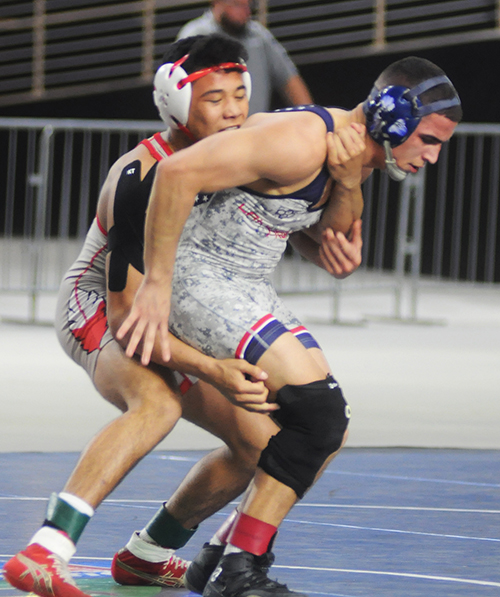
x,y
409,238
148,40
39,18
40,181
409,242
416,240
336,302
402,242
379,40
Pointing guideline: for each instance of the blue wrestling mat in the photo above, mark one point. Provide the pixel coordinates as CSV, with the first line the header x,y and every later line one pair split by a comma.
x,y
379,523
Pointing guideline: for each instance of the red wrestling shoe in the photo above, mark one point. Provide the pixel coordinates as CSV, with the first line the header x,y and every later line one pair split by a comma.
x,y
128,569
38,570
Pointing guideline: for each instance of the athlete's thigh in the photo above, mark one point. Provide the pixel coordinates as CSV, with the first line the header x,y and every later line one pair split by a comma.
x,y
128,385
213,312
207,408
288,362
295,326
319,356
227,317
80,323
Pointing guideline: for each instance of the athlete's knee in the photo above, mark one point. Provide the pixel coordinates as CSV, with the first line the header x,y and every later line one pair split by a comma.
x,y
147,392
317,411
313,419
247,441
246,454
155,398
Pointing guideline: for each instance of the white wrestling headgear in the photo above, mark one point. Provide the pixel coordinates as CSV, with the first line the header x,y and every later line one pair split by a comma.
x,y
173,90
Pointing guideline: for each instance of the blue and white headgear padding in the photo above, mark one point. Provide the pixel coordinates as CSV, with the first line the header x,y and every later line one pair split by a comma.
x,y
173,89
394,112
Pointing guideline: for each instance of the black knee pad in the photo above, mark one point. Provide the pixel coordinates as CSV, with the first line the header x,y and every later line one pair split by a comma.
x,y
313,420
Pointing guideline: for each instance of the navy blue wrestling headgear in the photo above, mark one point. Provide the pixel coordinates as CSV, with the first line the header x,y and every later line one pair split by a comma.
x,y
394,112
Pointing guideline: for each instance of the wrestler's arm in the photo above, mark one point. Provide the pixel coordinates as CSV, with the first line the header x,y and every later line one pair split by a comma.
x,y
336,239
335,243
345,162
281,153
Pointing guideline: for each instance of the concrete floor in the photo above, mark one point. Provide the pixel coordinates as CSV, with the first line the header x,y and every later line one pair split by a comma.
x,y
434,382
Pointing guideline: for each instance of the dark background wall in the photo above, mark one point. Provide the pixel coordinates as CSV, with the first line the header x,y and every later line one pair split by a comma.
x,y
474,69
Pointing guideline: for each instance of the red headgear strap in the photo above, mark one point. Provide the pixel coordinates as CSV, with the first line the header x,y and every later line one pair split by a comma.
x,y
186,131
205,71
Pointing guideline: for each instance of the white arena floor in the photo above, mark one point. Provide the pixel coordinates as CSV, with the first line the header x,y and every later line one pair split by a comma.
x,y
434,382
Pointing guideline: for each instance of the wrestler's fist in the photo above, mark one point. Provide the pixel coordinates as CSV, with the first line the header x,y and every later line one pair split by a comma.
x,y
345,154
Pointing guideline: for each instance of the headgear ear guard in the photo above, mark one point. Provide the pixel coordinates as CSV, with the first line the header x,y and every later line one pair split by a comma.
x,y
173,89
394,112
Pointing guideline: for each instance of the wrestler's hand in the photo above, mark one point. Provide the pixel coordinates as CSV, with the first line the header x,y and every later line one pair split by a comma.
x,y
243,385
345,154
148,316
341,255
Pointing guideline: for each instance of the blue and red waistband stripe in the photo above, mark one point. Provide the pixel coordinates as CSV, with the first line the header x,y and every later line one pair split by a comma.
x,y
305,337
263,333
255,342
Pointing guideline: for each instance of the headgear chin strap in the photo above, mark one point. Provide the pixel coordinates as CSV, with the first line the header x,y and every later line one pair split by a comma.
x,y
394,112
173,89
392,169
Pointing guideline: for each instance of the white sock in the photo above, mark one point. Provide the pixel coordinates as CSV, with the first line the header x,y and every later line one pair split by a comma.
x,y
55,541
224,530
77,503
232,549
215,540
150,552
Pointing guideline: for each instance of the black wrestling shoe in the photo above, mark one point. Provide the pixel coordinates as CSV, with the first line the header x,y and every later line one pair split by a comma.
x,y
244,575
201,568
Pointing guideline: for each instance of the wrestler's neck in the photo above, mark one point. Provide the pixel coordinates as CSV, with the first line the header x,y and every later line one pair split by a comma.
x,y
374,154
343,117
177,139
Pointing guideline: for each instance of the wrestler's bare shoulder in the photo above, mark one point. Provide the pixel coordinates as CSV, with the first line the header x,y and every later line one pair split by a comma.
x,y
294,118
107,194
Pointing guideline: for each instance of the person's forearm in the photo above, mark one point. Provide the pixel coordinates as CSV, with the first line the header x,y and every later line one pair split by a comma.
x,y
306,246
345,206
169,208
187,359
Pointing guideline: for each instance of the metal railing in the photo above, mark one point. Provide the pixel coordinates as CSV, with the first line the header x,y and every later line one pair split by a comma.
x,y
64,48
55,169
440,225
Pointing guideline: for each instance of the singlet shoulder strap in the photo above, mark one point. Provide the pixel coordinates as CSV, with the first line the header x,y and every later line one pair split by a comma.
x,y
319,110
157,147
100,226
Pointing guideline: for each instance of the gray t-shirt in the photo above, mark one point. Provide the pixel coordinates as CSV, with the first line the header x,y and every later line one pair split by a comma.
x,y
268,61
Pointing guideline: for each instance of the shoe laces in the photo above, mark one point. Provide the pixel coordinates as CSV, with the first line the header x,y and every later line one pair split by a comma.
x,y
62,570
257,576
176,562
